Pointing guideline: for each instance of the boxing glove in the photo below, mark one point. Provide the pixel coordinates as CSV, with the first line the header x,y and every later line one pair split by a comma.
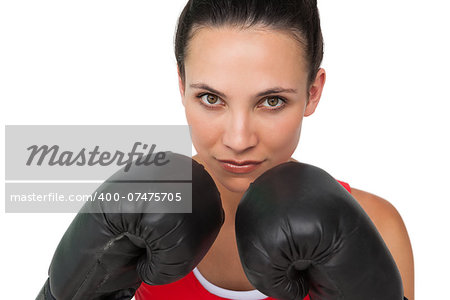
x,y
299,231
112,246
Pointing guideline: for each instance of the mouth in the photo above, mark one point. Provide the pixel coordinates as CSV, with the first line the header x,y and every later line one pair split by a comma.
x,y
240,167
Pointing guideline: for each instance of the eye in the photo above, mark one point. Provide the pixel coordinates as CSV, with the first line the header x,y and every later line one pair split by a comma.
x,y
209,99
274,102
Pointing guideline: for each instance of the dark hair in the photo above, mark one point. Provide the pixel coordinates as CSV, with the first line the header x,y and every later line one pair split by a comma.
x,y
298,17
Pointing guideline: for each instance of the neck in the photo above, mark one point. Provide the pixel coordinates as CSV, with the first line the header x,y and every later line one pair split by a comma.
x,y
230,202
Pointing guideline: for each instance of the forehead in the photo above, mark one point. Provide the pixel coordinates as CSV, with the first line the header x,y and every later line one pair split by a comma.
x,y
224,53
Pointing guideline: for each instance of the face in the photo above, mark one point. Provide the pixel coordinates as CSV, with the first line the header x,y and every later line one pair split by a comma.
x,y
245,95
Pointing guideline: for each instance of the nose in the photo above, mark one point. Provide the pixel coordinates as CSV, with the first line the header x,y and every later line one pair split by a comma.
x,y
239,134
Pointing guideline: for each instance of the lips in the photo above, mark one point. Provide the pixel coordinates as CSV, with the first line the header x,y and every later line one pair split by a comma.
x,y
241,163
240,167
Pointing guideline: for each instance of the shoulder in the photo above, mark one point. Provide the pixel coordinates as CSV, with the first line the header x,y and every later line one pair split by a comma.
x,y
381,211
385,217
392,229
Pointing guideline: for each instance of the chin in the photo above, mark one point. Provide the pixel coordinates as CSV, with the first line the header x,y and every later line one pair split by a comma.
x,y
237,185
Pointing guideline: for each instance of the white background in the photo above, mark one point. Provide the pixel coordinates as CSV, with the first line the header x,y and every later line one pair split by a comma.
x,y
382,124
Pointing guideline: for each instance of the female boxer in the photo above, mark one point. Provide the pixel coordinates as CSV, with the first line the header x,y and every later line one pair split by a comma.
x,y
249,71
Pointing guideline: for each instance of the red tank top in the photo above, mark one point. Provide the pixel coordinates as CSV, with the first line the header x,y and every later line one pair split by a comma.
x,y
187,288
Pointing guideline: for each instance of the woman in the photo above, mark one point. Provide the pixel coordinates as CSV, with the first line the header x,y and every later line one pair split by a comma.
x,y
249,71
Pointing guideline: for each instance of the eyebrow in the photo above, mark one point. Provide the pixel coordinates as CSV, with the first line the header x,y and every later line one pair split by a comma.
x,y
273,90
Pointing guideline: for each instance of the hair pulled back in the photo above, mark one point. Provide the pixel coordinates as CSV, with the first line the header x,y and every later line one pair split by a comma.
x,y
297,17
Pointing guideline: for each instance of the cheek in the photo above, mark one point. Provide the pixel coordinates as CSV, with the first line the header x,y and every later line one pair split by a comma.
x,y
282,135
204,133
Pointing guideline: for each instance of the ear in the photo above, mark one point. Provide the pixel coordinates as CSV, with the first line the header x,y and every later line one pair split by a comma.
x,y
315,92
180,85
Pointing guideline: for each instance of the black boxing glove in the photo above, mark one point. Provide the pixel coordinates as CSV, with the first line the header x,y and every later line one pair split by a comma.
x,y
299,231
107,255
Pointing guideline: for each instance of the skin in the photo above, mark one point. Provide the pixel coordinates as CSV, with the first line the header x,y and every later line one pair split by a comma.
x,y
226,70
